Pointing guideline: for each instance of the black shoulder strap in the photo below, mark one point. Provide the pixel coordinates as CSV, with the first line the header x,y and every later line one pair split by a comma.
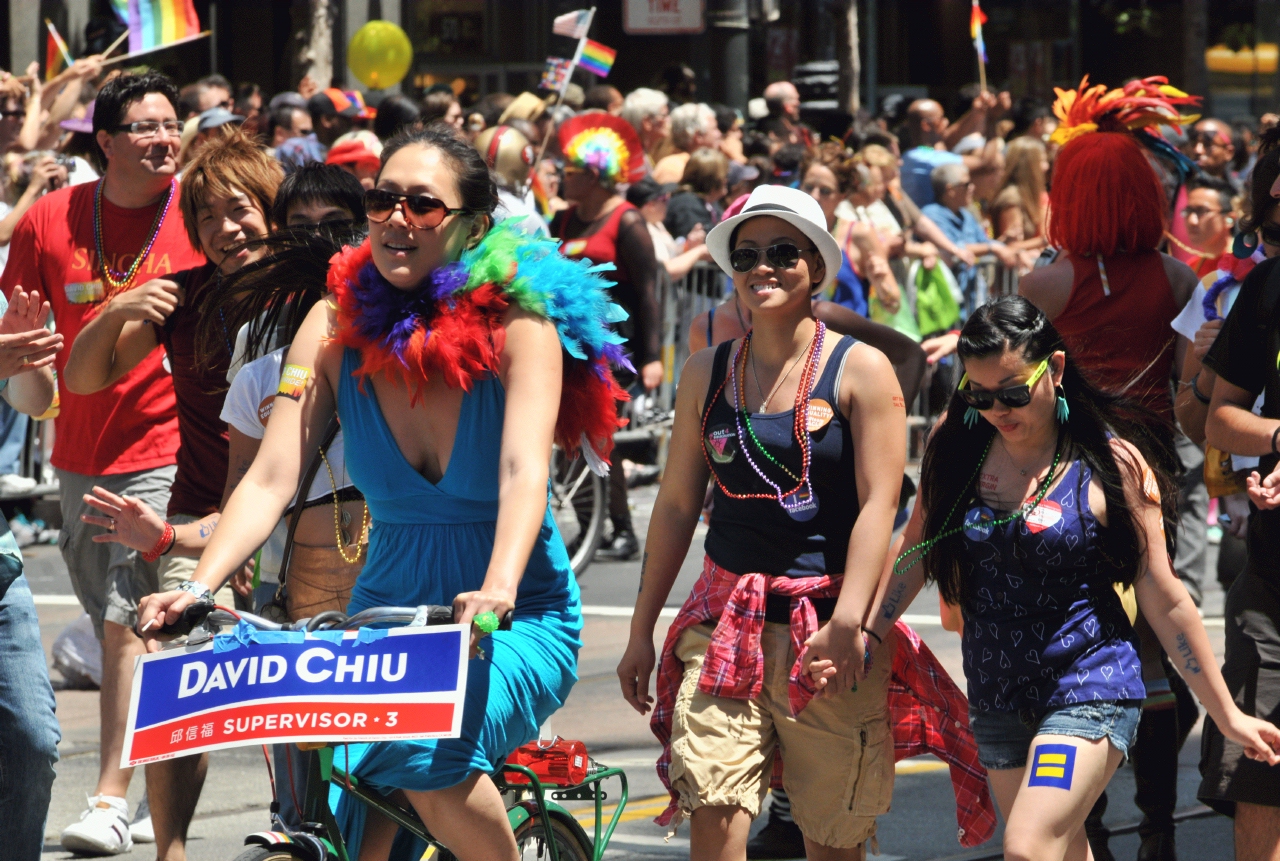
x,y
301,503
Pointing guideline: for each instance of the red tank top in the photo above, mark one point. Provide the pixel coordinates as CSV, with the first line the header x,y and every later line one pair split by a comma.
x,y
1123,338
599,247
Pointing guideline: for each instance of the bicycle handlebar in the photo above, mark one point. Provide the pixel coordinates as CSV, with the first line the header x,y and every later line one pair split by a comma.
x,y
427,614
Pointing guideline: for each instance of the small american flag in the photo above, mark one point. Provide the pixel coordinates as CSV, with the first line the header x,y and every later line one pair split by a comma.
x,y
572,24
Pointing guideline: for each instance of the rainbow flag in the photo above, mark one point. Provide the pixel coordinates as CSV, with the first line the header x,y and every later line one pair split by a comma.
x,y
56,55
596,58
153,23
976,19
540,196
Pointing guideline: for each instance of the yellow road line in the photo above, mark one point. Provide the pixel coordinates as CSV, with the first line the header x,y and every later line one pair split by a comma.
x,y
908,766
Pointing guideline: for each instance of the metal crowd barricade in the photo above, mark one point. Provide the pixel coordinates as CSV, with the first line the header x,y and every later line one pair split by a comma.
x,y
681,301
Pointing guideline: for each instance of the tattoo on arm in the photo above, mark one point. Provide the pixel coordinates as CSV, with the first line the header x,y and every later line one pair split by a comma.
x,y
893,599
899,401
644,563
1190,664
206,528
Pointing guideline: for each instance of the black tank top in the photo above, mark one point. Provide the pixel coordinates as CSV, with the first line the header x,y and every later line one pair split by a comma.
x,y
749,536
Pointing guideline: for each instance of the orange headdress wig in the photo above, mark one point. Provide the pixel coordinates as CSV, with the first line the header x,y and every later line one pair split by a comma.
x,y
1106,197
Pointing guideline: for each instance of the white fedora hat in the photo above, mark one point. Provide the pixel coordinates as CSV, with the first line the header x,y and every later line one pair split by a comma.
x,y
792,206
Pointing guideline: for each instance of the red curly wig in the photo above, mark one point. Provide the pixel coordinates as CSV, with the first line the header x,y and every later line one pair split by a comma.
x,y
1106,198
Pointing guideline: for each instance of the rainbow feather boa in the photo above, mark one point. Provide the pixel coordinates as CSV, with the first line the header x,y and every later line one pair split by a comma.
x,y
452,325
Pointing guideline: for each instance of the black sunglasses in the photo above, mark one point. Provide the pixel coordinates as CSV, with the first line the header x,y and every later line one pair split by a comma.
x,y
1270,233
784,255
419,210
1012,397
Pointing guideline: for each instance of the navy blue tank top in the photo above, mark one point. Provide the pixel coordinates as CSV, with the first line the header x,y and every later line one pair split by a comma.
x,y
750,536
1044,627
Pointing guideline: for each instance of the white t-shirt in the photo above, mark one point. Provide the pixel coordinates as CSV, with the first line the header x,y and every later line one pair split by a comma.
x,y
665,246
1189,321
248,406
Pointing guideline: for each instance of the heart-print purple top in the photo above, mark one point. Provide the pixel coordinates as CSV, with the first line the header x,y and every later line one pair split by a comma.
x,y
1045,627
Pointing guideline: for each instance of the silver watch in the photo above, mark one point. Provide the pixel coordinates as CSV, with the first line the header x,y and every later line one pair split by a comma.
x,y
200,590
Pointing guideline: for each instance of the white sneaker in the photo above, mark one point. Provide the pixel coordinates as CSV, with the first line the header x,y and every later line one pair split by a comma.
x,y
141,831
101,830
16,483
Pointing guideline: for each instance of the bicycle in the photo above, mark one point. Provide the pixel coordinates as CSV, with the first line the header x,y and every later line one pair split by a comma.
x,y
578,506
531,816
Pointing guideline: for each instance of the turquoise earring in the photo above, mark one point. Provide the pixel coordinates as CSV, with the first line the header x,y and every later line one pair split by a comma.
x,y
971,416
1062,410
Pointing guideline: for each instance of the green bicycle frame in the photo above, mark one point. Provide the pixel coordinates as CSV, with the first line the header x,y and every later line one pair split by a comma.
x,y
322,772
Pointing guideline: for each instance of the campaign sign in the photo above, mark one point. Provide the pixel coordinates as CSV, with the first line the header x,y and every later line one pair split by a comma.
x,y
271,687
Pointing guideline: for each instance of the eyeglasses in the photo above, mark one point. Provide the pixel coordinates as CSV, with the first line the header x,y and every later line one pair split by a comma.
x,y
1270,233
1013,396
151,128
822,190
1199,211
419,210
1208,139
784,255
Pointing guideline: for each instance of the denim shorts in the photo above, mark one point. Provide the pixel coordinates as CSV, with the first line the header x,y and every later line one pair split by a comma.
x,y
1004,738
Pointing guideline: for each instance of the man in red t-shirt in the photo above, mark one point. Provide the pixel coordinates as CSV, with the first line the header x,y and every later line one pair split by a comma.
x,y
79,246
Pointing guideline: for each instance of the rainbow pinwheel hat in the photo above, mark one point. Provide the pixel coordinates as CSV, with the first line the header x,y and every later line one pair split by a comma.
x,y
604,142
1138,105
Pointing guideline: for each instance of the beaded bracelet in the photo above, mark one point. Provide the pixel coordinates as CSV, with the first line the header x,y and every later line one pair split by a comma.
x,y
167,539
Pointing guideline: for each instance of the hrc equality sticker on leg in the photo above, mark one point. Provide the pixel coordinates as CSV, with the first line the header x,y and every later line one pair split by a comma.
x,y
1052,765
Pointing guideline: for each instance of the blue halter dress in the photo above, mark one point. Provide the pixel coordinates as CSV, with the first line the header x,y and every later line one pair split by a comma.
x,y
428,543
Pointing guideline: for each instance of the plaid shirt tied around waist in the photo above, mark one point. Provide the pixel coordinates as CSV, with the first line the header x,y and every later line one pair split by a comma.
x,y
928,713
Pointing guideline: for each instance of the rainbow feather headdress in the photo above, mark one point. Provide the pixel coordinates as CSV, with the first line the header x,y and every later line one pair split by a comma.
x,y
1137,106
452,325
604,142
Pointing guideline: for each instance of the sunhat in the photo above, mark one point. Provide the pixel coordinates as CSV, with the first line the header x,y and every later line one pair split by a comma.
x,y
792,206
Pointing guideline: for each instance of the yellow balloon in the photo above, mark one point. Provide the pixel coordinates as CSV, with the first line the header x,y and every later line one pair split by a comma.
x,y
380,55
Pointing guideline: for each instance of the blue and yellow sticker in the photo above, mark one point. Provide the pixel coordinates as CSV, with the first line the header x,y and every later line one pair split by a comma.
x,y
1052,765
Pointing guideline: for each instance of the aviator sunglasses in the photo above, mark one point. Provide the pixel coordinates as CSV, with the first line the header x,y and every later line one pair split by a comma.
x,y
420,210
1013,396
784,255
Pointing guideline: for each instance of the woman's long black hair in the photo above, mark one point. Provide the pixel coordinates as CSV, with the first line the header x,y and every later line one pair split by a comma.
x,y
951,458
274,293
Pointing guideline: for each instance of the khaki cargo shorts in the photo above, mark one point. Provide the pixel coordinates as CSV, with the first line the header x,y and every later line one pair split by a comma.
x,y
174,570
838,752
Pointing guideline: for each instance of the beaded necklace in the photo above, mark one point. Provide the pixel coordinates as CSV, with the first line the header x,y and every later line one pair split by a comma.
x,y
804,393
814,355
925,546
118,281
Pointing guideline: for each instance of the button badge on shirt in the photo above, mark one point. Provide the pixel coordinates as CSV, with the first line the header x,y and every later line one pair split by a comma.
x,y
84,292
722,444
977,523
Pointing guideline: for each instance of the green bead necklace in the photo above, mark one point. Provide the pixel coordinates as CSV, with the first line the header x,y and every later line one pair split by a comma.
x,y
925,546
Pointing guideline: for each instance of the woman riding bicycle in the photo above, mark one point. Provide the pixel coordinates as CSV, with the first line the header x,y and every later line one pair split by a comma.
x,y
451,384
1038,495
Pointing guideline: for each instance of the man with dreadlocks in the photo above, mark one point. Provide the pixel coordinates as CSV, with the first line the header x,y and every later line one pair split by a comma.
x,y
1112,296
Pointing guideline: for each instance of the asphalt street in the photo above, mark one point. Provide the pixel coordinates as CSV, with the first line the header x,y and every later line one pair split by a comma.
x,y
920,826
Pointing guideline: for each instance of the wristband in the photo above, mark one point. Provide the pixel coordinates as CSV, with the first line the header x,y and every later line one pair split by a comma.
x,y
200,590
167,539
1201,397
487,622
1275,433
871,633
